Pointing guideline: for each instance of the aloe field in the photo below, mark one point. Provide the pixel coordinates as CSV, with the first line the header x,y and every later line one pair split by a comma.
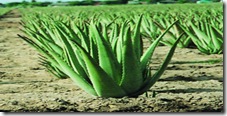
x,y
119,58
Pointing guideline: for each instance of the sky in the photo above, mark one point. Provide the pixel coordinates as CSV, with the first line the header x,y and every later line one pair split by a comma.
x,y
7,1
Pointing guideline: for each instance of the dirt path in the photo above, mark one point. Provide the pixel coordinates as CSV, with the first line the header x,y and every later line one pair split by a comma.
x,y
26,86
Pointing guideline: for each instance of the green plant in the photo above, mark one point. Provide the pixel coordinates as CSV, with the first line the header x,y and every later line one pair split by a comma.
x,y
208,39
175,32
103,62
43,38
149,29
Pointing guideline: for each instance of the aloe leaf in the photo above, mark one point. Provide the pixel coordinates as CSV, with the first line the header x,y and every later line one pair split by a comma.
x,y
40,40
149,52
31,43
150,81
201,36
47,43
207,29
78,79
103,84
33,36
43,51
120,40
200,44
177,30
145,25
187,41
132,76
104,32
48,27
161,21
114,37
169,36
67,30
219,32
93,46
42,30
136,38
168,43
107,59
216,38
85,42
54,69
113,34
73,61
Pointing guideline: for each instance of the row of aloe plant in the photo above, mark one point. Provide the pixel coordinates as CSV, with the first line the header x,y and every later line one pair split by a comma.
x,y
104,60
155,23
206,33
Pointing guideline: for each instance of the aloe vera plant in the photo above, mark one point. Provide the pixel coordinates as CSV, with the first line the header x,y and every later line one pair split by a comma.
x,y
149,29
207,38
175,32
105,62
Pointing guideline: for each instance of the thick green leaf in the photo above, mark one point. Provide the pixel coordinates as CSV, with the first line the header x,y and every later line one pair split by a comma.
x,y
150,81
114,37
103,84
120,42
106,57
203,38
147,55
132,74
137,43
78,79
71,55
216,38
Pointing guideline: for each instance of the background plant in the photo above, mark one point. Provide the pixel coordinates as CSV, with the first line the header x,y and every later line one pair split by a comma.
x,y
175,32
207,38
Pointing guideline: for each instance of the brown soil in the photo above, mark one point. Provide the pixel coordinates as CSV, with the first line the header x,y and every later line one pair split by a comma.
x,y
27,87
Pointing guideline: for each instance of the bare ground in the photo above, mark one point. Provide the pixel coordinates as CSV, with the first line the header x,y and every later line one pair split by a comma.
x,y
186,86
